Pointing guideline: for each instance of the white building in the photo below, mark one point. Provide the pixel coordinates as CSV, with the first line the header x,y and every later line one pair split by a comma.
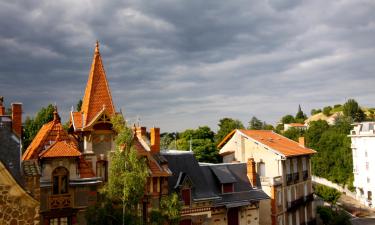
x,y
363,146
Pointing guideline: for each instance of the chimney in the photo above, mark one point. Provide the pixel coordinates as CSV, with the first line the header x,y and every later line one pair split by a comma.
x,y
251,172
301,141
17,118
2,108
141,131
155,140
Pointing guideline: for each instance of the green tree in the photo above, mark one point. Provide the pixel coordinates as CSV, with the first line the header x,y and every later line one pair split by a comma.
x,y
327,110
33,125
165,140
226,125
169,211
315,131
293,133
330,217
300,116
255,124
328,194
351,109
79,105
287,119
127,173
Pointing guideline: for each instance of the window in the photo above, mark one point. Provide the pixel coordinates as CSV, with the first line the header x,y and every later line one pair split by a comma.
x,y
295,166
186,196
305,189
304,165
227,188
368,180
290,219
262,169
155,184
279,198
60,180
60,221
369,195
101,169
287,165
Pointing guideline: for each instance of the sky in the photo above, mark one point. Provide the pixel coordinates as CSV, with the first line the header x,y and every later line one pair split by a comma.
x,y
183,64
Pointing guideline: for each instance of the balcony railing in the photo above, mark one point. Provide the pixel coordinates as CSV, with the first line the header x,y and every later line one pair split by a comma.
x,y
271,181
60,201
295,177
292,205
289,179
308,198
305,174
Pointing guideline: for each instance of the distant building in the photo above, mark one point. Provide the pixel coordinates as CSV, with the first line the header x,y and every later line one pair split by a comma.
x,y
214,193
284,171
17,206
299,126
363,144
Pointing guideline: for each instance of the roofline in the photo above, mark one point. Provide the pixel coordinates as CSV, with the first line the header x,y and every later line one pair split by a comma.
x,y
226,138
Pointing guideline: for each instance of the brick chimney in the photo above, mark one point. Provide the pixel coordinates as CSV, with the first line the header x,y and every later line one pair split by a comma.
x,y
17,118
251,172
301,141
2,108
155,140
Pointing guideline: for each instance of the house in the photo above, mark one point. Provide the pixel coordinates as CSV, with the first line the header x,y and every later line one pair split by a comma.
x,y
17,206
284,171
299,126
213,193
363,143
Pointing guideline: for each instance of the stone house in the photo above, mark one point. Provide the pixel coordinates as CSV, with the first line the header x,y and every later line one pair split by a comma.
x,y
284,171
214,193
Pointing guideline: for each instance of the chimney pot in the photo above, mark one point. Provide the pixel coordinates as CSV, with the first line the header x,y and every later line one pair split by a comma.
x,y
251,172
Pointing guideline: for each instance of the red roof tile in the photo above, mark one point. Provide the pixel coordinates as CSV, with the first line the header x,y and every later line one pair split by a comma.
x,y
60,149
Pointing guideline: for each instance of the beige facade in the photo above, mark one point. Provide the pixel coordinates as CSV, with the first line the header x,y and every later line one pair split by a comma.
x,y
286,179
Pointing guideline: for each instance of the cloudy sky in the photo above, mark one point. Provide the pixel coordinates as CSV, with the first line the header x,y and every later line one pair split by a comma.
x,y
181,64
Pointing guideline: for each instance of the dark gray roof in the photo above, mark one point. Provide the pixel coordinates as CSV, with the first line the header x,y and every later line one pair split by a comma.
x,y
10,148
208,178
185,163
31,168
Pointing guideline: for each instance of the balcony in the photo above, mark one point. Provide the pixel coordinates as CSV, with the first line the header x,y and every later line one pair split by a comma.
x,y
308,198
271,181
295,177
305,174
289,179
292,205
60,201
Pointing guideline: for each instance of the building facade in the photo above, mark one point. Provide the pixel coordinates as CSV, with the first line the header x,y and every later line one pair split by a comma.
x,y
363,142
219,194
284,173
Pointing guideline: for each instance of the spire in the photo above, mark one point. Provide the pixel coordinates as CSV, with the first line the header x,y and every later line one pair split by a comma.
x,y
97,91
56,116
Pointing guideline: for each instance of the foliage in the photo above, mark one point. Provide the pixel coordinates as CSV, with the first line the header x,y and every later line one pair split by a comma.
x,y
287,119
169,211
327,110
315,111
255,124
79,105
33,125
330,217
351,109
103,213
165,140
328,194
337,106
300,116
293,133
226,125
202,143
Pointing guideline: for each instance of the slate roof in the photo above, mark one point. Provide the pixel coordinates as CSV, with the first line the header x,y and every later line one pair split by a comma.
x,y
31,168
97,94
274,141
208,178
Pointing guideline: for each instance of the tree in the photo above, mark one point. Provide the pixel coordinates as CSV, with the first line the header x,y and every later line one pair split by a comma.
x,y
169,211
255,124
293,133
328,194
226,125
327,110
33,125
127,173
315,131
351,109
287,119
300,116
79,105
165,140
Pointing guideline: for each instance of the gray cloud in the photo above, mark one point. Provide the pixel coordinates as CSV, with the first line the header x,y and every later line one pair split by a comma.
x,y
182,64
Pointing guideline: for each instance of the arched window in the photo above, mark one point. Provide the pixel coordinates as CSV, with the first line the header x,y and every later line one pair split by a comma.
x,y
102,169
60,178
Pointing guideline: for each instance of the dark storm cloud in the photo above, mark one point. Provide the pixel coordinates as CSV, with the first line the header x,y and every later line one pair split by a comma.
x,y
180,64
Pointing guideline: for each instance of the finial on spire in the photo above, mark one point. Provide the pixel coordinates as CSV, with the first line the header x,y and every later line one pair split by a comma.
x,y
97,47
55,113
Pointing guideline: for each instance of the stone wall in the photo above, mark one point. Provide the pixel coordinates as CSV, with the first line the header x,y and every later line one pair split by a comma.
x,y
17,209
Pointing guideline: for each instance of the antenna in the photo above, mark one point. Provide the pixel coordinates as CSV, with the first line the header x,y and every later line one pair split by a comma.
x,y
138,120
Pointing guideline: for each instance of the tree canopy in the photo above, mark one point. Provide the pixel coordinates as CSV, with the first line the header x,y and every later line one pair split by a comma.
x,y
226,125
351,109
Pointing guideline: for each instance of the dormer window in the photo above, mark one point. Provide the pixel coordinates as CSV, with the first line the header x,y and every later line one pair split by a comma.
x,y
227,188
186,196
60,178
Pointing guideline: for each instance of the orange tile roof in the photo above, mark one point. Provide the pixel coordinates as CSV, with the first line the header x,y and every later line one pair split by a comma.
x,y
85,170
46,136
277,142
97,93
76,119
60,149
296,124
